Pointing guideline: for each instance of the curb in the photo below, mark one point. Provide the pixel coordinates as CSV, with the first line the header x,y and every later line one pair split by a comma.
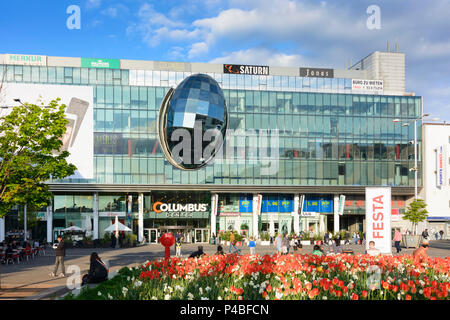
x,y
48,293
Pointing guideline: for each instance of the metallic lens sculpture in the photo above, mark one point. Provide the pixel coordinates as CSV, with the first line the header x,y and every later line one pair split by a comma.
x,y
192,122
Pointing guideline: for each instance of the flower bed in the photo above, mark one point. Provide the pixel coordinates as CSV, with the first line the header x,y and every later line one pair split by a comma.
x,y
298,277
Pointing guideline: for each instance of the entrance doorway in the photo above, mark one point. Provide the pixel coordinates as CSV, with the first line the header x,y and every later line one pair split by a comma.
x,y
151,235
201,235
185,232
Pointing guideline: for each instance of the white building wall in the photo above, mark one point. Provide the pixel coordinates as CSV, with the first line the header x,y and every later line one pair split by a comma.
x,y
437,197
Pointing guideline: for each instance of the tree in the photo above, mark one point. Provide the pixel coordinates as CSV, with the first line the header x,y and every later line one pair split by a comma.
x,y
416,213
30,144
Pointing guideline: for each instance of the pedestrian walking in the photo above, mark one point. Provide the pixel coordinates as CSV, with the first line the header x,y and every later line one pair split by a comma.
x,y
113,240
354,238
60,252
278,243
441,233
425,234
358,239
325,238
233,244
252,246
285,244
397,239
178,246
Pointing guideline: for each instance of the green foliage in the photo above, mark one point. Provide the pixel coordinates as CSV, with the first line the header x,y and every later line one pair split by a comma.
x,y
264,236
244,226
226,236
29,154
416,212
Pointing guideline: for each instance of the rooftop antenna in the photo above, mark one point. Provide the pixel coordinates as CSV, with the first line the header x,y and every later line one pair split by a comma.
x,y
388,49
396,46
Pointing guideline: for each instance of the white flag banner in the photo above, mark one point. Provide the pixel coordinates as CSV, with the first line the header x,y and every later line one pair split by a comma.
x,y
378,218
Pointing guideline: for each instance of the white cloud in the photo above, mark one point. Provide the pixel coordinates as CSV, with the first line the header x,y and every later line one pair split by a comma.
x,y
198,49
262,56
111,12
93,4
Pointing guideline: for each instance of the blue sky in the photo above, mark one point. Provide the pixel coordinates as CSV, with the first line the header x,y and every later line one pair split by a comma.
x,y
267,32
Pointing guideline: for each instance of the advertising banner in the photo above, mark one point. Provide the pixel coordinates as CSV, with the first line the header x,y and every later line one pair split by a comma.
x,y
440,166
341,205
245,204
326,206
395,214
79,137
367,85
378,218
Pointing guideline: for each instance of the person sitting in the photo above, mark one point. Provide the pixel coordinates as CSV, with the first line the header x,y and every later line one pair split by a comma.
x,y
198,253
372,251
220,250
98,272
421,252
317,251
337,246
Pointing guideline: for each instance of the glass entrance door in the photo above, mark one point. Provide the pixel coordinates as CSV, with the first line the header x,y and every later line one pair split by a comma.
x,y
201,235
152,235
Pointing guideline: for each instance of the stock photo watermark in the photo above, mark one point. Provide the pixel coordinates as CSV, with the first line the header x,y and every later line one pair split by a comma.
x,y
74,20
239,147
374,20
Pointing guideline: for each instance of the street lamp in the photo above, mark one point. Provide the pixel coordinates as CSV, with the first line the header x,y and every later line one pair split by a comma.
x,y
415,168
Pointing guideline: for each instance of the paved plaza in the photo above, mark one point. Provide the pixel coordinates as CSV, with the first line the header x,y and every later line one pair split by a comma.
x,y
31,280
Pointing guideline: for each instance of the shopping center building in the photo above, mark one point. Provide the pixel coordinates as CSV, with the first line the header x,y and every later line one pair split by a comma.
x,y
302,144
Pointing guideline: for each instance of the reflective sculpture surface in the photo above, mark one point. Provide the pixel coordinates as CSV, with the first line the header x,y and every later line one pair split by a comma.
x,y
192,122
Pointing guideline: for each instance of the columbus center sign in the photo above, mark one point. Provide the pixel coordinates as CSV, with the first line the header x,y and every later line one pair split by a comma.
x,y
378,218
159,207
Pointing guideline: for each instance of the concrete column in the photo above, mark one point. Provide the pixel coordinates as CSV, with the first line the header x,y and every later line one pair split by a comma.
x,y
95,226
50,223
255,216
214,204
141,217
2,229
296,214
336,213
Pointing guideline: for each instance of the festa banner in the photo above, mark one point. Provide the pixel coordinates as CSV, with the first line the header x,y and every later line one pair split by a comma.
x,y
378,218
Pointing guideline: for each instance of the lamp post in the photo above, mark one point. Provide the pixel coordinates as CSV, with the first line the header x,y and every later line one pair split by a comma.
x,y
415,168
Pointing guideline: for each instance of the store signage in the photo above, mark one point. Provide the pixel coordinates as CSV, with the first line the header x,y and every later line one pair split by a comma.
x,y
310,214
316,73
395,214
22,59
440,167
159,207
108,143
100,63
179,215
244,69
367,85
378,218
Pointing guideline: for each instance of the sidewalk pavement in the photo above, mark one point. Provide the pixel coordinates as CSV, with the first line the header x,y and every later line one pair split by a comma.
x,y
31,280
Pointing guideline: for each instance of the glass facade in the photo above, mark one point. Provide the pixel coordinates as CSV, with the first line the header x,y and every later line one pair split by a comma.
x,y
327,135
